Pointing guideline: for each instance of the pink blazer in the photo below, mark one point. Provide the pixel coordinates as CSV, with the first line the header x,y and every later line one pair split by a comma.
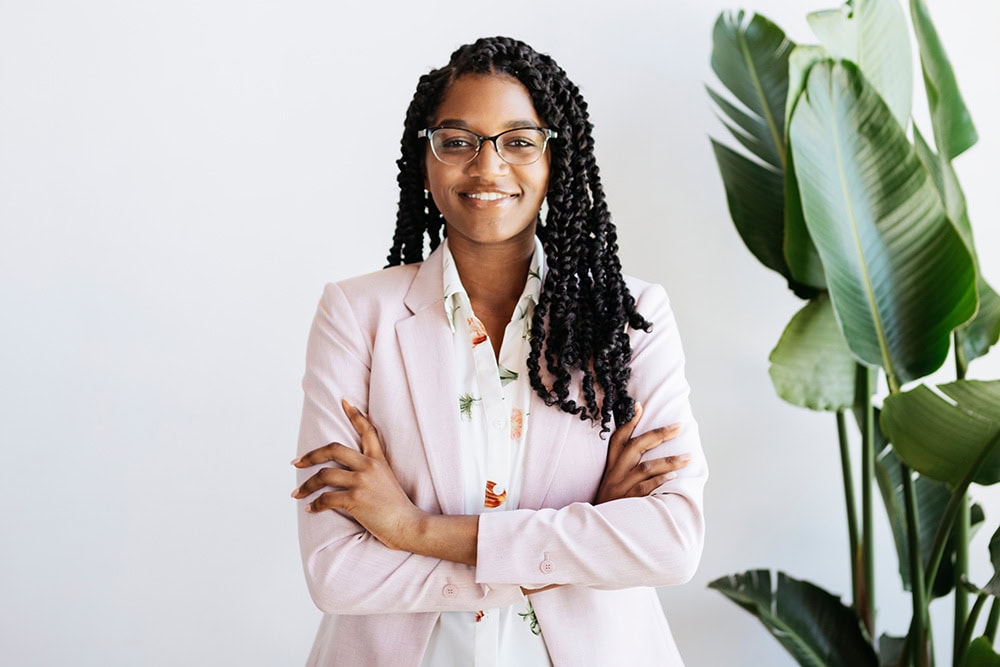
x,y
383,342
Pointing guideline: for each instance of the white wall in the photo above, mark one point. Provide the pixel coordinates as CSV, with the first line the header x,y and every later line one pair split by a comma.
x,y
177,181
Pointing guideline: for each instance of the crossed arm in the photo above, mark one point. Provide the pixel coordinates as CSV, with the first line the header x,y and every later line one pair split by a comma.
x,y
368,548
365,487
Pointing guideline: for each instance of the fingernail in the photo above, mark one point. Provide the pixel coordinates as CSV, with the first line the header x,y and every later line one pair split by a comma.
x,y
669,476
296,461
295,493
684,457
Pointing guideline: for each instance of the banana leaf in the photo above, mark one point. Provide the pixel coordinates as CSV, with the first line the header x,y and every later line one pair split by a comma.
x,y
811,366
950,434
890,650
800,252
750,58
932,499
874,35
993,586
899,274
981,654
979,334
954,131
814,626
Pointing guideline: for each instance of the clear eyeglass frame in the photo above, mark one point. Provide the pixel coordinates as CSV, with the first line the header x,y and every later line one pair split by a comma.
x,y
512,155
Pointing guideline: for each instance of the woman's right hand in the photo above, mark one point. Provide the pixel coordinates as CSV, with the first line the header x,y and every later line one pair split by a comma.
x,y
626,475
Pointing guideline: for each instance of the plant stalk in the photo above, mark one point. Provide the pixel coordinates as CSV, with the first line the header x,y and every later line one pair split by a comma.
x,y
852,513
866,607
961,535
918,631
992,621
962,525
968,629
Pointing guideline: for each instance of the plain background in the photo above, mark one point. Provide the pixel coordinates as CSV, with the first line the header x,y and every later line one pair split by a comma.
x,y
178,180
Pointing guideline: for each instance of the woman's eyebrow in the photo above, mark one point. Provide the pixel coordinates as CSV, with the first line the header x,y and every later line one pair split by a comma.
x,y
509,125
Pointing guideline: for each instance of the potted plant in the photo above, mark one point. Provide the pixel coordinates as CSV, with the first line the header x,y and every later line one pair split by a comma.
x,y
832,185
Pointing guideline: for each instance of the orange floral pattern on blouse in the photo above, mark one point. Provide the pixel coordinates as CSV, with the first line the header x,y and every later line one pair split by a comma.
x,y
516,423
477,330
494,499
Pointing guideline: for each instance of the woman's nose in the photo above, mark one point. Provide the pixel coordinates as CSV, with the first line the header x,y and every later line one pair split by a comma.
x,y
488,160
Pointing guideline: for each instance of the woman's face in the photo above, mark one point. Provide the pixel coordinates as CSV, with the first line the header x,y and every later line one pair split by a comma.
x,y
487,201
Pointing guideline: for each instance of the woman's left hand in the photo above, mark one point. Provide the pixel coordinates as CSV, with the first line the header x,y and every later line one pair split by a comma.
x,y
364,486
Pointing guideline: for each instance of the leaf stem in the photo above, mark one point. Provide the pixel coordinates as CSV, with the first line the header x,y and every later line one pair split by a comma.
x,y
992,621
961,529
867,609
919,631
852,514
961,541
964,638
951,511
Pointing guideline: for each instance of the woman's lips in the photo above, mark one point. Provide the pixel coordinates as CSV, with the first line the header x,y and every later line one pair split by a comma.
x,y
487,196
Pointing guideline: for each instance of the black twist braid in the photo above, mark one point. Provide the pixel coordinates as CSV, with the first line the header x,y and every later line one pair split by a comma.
x,y
579,325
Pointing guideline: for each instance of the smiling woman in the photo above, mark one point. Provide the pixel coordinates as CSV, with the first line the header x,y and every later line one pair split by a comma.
x,y
519,500
487,201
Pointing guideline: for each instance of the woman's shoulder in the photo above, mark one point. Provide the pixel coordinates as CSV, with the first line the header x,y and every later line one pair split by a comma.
x,y
380,284
644,291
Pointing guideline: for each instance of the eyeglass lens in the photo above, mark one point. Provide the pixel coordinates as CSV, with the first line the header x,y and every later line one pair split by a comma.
x,y
518,147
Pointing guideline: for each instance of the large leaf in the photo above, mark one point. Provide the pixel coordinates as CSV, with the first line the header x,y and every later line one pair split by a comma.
x,y
800,252
951,434
755,194
978,335
874,35
982,333
890,650
932,500
900,277
812,625
812,366
981,654
993,586
750,58
953,128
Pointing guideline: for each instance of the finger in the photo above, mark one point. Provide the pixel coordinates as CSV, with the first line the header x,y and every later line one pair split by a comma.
x,y
326,477
327,501
334,452
641,444
650,485
623,433
371,442
655,469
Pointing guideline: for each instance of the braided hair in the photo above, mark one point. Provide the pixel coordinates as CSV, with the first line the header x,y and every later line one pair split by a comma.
x,y
579,325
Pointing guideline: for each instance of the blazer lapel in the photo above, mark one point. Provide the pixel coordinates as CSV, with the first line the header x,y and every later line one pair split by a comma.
x,y
425,344
548,431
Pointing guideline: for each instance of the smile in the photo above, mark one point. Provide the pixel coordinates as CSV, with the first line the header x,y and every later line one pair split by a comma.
x,y
487,196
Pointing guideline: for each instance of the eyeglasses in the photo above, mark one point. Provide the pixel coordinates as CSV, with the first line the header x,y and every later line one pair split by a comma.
x,y
520,146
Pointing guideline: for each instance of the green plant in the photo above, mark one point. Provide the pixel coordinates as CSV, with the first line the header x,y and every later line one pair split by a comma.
x,y
835,188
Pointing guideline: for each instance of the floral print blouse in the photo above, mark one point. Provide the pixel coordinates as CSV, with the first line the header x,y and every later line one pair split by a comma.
x,y
492,406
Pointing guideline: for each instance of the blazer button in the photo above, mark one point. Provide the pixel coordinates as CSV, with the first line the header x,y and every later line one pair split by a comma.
x,y
449,591
547,566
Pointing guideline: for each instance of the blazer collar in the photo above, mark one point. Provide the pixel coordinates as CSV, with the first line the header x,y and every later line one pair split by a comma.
x,y
425,345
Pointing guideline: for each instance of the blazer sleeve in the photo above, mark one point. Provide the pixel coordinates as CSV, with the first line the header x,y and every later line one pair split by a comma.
x,y
348,571
651,541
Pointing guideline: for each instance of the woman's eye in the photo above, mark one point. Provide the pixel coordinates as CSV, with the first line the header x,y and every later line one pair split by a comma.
x,y
521,141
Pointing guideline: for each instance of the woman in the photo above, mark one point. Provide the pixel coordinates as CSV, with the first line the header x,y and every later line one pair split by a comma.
x,y
493,517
